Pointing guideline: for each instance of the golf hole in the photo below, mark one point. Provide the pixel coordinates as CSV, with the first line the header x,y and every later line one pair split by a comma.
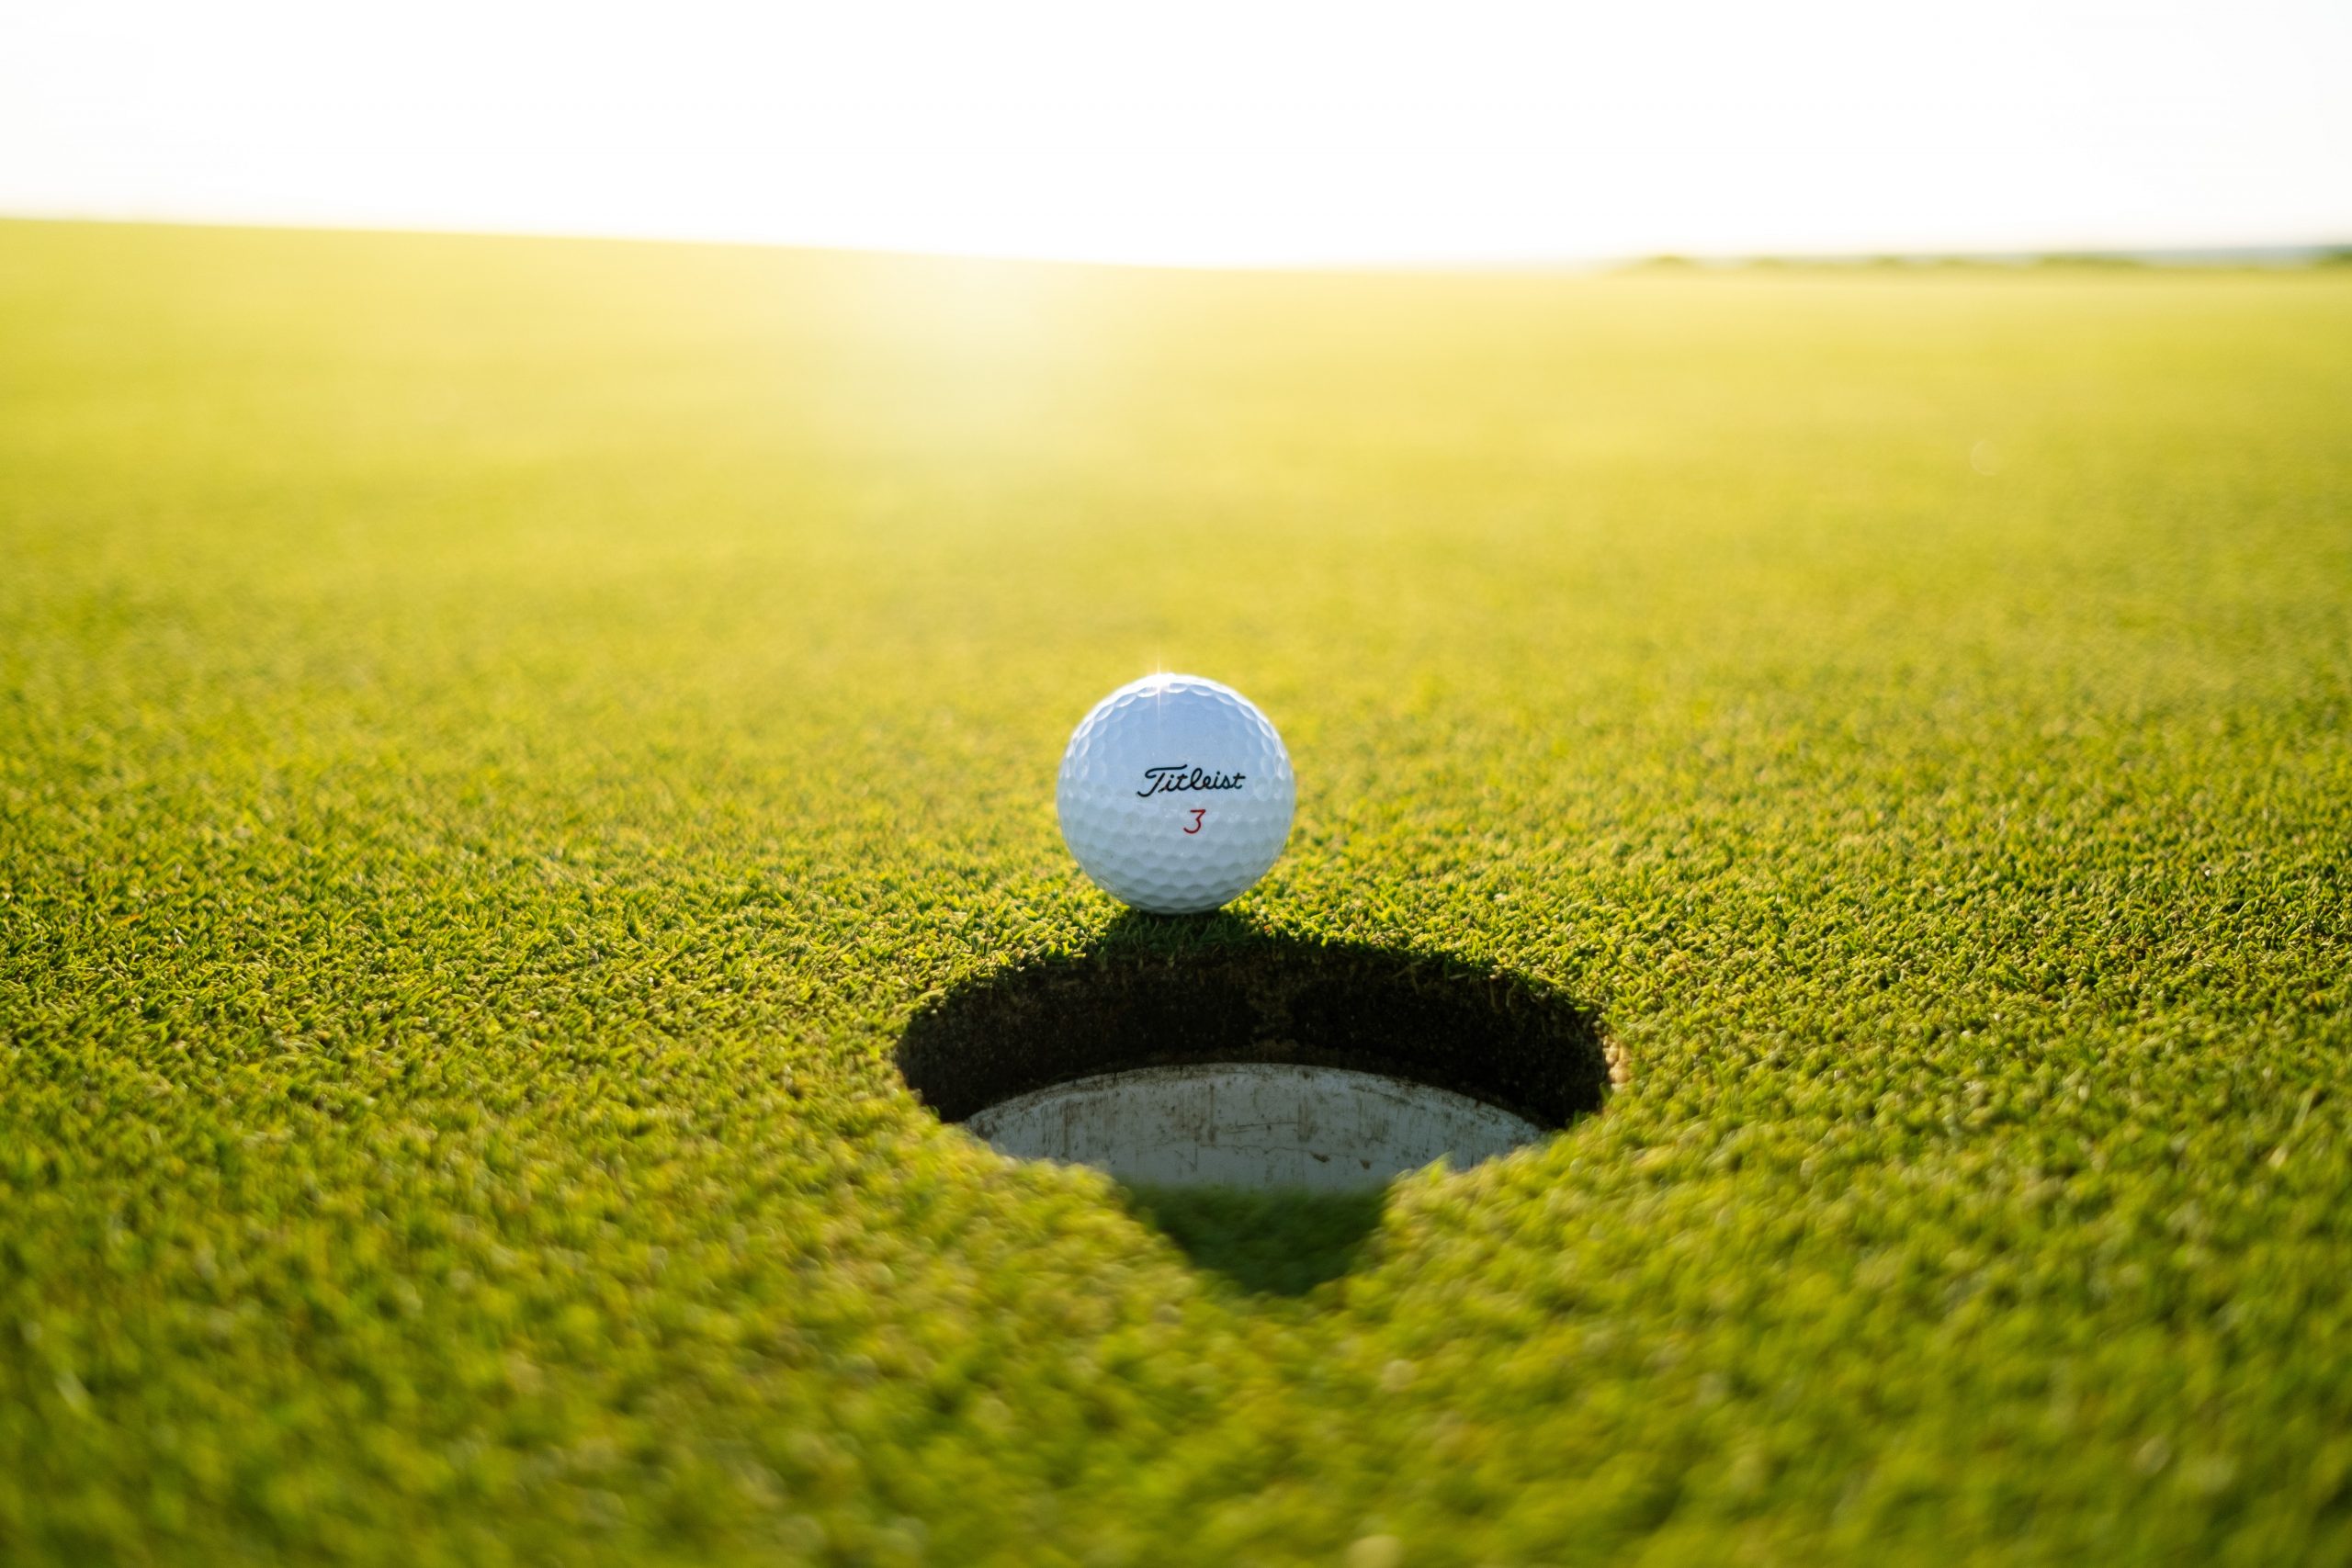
x,y
1207,1054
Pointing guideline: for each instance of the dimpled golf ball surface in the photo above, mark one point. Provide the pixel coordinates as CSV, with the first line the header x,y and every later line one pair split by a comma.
x,y
1175,794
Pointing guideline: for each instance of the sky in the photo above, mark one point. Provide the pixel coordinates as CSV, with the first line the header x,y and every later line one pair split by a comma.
x,y
1208,134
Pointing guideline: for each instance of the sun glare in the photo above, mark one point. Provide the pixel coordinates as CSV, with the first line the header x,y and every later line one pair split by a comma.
x,y
1216,134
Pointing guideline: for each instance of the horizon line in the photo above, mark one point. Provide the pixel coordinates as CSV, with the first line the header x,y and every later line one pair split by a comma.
x,y
2279,255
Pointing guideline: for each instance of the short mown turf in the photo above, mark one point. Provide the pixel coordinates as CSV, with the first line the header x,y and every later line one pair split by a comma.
x,y
498,739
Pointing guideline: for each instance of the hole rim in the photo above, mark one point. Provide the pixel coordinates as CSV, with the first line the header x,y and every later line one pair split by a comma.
x,y
1162,992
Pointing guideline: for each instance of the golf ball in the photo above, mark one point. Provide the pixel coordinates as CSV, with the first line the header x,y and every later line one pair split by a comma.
x,y
1175,794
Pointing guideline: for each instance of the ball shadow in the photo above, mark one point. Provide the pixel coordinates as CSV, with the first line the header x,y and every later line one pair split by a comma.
x,y
1167,992
1276,1243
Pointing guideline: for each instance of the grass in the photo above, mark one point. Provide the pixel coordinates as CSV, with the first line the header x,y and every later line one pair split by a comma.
x,y
498,738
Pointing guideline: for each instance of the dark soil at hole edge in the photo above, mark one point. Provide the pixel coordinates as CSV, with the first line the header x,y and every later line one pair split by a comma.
x,y
1503,1039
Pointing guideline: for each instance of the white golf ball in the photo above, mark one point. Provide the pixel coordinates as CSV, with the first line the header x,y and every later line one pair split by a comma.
x,y
1175,794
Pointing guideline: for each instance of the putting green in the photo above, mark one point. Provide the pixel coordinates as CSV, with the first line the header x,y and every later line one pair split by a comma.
x,y
498,739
